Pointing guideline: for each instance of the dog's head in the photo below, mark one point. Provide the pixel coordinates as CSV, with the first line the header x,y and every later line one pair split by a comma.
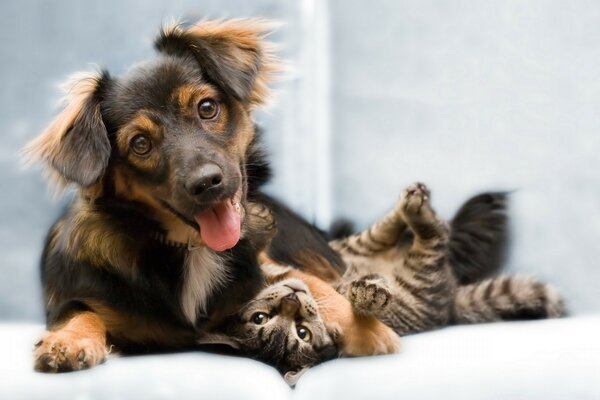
x,y
174,133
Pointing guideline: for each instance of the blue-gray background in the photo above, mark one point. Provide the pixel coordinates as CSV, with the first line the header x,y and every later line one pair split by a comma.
x,y
465,96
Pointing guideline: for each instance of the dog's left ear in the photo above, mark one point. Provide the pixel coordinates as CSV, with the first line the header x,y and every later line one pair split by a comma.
x,y
233,54
75,146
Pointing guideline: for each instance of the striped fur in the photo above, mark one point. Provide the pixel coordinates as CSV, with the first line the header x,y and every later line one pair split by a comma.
x,y
400,269
506,298
409,286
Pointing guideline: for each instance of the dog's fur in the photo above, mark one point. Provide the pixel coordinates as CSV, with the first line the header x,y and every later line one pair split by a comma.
x,y
117,269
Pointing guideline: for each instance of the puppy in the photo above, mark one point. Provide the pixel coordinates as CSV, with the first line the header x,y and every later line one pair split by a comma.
x,y
157,247
156,244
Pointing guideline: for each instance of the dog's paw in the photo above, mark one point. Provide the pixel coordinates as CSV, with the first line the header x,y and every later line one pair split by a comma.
x,y
64,351
368,296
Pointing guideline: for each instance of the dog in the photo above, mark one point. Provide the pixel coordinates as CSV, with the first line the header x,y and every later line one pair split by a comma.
x,y
164,238
157,246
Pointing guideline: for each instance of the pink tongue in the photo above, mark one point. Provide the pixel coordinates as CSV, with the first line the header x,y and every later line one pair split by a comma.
x,y
220,226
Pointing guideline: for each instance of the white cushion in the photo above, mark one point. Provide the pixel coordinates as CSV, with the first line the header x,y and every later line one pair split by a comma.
x,y
182,376
555,359
551,359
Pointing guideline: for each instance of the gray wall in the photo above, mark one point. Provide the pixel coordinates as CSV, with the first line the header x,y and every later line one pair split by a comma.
x,y
465,97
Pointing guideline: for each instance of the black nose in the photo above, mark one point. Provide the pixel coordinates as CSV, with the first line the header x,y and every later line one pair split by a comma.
x,y
205,179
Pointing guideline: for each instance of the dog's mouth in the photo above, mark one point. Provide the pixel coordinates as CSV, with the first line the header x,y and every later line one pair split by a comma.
x,y
221,224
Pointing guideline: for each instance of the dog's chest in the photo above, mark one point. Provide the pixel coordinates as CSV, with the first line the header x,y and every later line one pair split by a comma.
x,y
203,273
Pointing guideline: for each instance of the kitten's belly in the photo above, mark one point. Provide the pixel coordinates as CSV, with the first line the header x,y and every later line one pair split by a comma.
x,y
385,263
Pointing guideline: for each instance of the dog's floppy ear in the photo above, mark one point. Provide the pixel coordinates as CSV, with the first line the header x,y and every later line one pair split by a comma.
x,y
232,54
75,146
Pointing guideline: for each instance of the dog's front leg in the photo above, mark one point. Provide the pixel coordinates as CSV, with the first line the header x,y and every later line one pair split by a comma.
x,y
76,344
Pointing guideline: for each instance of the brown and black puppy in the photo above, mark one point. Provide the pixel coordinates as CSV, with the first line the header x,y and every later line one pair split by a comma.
x,y
156,246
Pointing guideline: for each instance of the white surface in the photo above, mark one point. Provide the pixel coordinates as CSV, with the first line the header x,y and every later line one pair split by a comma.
x,y
178,376
546,360
554,359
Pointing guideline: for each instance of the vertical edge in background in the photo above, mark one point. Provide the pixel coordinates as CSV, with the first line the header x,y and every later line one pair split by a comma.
x,y
317,66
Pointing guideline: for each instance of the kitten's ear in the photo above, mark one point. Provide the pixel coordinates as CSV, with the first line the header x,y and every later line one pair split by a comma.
x,y
232,54
219,338
292,377
75,146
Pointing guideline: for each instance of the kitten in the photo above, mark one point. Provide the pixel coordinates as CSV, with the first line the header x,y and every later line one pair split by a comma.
x,y
398,272
412,286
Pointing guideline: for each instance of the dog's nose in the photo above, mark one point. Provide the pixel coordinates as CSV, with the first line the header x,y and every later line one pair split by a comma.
x,y
289,306
204,179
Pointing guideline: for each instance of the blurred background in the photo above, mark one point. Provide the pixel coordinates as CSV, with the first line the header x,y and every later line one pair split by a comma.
x,y
468,96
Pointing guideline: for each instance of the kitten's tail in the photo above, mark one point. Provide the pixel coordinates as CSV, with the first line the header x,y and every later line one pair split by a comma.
x,y
479,237
506,298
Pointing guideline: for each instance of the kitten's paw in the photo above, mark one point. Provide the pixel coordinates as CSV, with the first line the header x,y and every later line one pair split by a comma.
x,y
260,215
415,199
368,296
260,225
64,351
367,337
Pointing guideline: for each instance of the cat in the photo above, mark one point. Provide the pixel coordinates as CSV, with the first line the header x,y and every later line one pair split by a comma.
x,y
400,272
412,286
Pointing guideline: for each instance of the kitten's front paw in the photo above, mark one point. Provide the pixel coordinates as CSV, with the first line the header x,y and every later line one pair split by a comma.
x,y
64,351
368,296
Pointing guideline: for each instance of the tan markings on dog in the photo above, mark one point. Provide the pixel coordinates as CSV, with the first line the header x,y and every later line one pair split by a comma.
x,y
189,96
245,131
360,335
239,36
130,327
89,237
77,344
204,273
129,188
141,124
78,88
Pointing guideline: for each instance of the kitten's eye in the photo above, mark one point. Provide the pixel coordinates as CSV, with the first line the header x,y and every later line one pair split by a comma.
x,y
208,109
303,333
260,318
141,145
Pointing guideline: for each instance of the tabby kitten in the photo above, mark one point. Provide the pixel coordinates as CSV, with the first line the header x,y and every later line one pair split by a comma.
x,y
411,286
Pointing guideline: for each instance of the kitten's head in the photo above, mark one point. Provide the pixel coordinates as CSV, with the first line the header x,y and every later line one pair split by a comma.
x,y
281,326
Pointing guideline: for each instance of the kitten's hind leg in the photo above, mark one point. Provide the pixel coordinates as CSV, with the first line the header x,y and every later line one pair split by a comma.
x,y
369,295
430,231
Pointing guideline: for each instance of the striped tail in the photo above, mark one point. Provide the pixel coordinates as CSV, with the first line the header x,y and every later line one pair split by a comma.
x,y
479,237
506,298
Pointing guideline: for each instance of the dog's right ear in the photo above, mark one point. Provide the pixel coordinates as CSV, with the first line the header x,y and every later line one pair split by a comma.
x,y
75,146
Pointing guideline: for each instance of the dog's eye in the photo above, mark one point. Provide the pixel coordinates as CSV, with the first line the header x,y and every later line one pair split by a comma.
x,y
141,145
208,109
303,333
260,318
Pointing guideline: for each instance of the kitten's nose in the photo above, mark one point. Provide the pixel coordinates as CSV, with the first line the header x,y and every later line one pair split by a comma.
x,y
289,306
